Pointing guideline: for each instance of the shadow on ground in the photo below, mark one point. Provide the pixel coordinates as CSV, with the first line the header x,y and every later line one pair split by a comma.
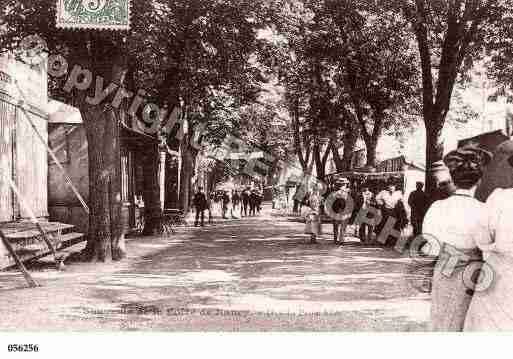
x,y
266,270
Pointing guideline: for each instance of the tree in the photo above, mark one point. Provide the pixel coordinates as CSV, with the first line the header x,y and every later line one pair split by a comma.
x,y
376,72
180,53
449,37
106,55
348,71
298,61
204,48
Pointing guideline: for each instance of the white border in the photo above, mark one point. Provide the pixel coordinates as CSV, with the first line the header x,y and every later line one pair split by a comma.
x,y
259,345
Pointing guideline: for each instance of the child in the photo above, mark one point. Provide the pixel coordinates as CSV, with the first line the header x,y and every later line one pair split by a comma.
x,y
313,218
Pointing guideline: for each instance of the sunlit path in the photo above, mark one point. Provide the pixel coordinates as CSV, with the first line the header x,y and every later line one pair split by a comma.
x,y
258,273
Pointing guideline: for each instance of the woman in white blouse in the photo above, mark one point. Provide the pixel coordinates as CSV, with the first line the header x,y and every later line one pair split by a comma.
x,y
492,305
454,226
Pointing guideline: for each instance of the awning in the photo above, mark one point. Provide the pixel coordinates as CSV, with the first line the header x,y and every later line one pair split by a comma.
x,y
366,175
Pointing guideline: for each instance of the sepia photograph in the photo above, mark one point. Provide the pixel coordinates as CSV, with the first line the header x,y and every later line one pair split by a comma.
x,y
251,166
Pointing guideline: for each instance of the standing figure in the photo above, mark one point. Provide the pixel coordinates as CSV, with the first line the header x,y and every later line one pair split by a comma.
x,y
210,204
491,309
297,202
245,201
236,205
200,203
218,203
259,200
225,202
341,210
418,202
455,226
313,217
365,230
388,201
276,196
305,201
253,202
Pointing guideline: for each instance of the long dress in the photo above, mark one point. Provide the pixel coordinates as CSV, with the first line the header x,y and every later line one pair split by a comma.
x,y
455,223
313,223
491,308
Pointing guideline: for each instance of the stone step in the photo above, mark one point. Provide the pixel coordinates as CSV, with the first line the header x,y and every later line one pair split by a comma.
x,y
50,228
28,250
70,239
66,241
29,244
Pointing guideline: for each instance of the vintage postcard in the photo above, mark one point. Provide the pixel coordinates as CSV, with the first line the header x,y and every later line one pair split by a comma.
x,y
256,166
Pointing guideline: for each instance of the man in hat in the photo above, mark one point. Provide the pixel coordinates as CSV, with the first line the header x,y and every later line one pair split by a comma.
x,y
418,202
200,203
387,201
341,209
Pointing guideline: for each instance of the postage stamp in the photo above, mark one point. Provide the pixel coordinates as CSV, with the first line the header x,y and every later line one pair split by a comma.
x,y
94,14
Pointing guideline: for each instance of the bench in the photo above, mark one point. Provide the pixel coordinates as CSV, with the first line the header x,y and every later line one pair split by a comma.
x,y
172,217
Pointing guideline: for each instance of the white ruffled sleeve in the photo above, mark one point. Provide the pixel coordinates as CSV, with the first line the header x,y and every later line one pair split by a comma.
x,y
492,208
431,230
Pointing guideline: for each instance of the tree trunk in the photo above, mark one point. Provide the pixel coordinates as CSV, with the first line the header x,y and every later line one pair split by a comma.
x,y
321,159
434,153
151,193
349,138
318,162
339,162
113,148
186,177
106,237
99,237
371,145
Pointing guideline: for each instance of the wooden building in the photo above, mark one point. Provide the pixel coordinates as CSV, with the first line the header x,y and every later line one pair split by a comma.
x,y
67,137
24,160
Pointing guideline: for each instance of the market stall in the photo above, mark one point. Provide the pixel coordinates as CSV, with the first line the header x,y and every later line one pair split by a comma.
x,y
395,170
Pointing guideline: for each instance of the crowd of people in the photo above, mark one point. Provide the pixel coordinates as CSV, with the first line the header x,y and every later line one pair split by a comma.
x,y
469,239
343,203
466,235
235,204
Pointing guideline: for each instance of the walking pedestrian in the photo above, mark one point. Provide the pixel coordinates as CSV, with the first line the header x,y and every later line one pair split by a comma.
x,y
388,201
313,217
259,200
276,196
418,202
297,202
246,201
341,210
253,202
200,203
210,204
365,230
236,203
225,202
456,225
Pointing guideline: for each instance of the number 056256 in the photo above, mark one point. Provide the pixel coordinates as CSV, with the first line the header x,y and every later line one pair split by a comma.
x,y
23,348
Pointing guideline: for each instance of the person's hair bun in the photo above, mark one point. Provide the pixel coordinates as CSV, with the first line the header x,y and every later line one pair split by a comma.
x,y
466,165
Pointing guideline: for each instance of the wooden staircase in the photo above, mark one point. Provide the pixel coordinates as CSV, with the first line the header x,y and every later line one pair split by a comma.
x,y
28,243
